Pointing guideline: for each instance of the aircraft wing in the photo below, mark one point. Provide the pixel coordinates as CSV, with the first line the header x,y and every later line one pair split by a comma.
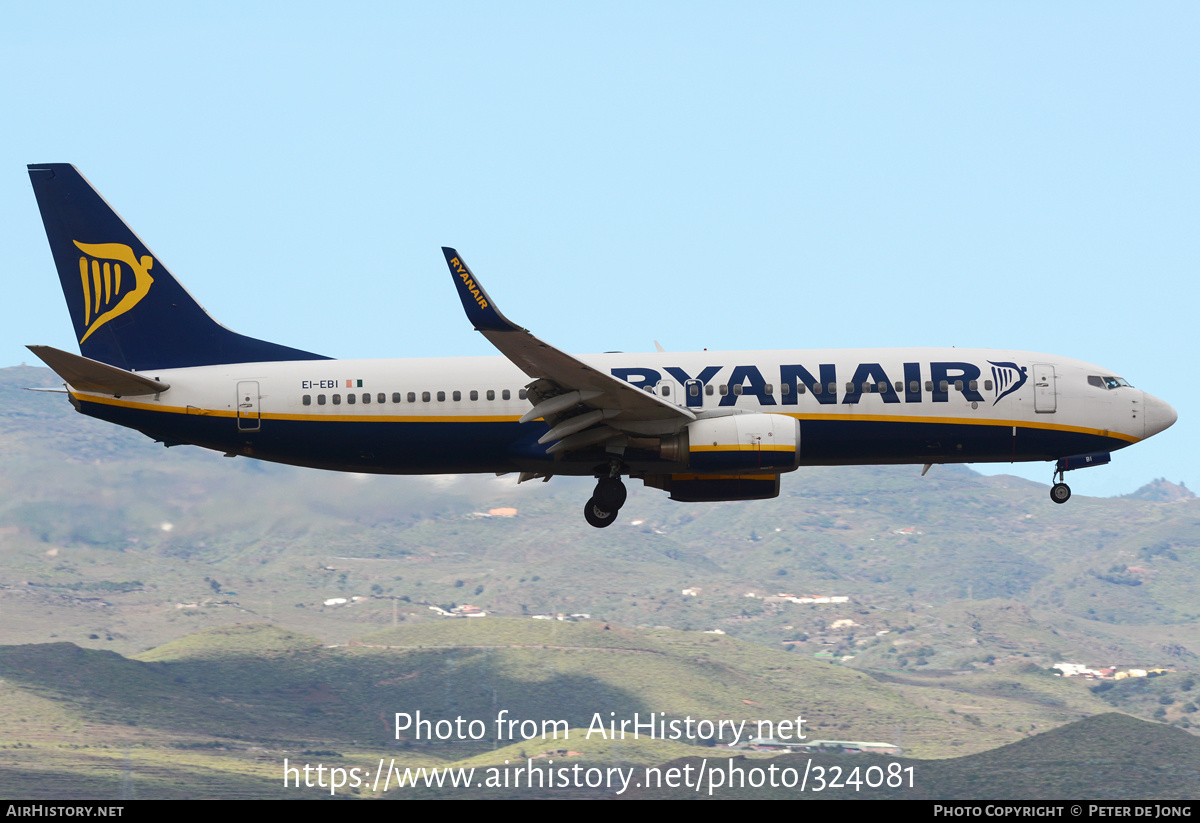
x,y
618,400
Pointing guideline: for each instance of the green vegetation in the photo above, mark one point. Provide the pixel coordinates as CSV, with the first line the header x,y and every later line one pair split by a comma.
x,y
166,609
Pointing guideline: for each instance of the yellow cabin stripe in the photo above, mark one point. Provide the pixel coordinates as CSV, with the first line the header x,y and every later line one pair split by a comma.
x,y
316,417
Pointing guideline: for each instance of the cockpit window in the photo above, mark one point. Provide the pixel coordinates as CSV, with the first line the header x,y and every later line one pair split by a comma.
x,y
1107,382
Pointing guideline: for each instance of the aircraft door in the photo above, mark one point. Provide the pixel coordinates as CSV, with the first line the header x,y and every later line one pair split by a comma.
x,y
247,406
670,390
1045,395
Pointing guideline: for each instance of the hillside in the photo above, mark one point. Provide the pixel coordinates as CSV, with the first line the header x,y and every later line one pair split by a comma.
x,y
240,699
960,592
1106,757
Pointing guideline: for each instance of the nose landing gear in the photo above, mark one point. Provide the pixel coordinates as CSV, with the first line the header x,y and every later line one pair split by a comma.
x,y
1060,492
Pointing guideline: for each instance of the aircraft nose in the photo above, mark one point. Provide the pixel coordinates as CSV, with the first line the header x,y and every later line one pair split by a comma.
x,y
1160,415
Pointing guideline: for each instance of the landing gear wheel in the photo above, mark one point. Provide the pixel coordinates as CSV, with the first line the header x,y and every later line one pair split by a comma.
x,y
1060,493
610,494
598,517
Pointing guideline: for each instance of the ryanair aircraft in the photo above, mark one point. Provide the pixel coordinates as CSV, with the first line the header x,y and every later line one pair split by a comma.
x,y
703,426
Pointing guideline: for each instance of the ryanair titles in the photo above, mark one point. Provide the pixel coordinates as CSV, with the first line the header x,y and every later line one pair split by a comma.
x,y
468,282
937,380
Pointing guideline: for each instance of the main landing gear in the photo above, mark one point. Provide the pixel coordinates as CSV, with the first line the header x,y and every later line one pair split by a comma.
x,y
608,498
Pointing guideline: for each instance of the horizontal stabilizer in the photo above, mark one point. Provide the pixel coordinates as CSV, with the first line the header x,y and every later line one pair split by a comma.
x,y
94,376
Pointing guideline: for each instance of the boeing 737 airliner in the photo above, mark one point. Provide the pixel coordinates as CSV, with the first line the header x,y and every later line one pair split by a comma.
x,y
703,426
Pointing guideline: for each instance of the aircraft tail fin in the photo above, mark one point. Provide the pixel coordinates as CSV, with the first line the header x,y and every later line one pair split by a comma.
x,y
128,310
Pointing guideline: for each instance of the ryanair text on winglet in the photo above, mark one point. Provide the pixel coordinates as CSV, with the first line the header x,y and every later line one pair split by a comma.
x,y
465,276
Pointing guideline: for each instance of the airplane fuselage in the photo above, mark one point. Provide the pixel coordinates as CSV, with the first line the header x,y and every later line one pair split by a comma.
x,y
451,415
702,426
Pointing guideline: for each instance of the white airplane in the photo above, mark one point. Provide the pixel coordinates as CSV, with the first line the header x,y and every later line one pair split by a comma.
x,y
702,426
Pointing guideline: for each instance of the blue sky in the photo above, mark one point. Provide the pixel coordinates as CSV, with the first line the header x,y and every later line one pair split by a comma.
x,y
779,176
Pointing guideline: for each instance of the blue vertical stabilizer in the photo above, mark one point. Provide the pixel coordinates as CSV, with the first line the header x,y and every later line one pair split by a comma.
x,y
128,310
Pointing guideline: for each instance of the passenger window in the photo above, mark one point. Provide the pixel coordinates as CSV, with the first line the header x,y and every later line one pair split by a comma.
x,y
666,390
441,397
366,397
350,399
882,387
929,385
899,386
694,390
474,394
849,388
337,400
974,384
770,389
412,397
491,394
944,386
785,389
425,397
723,389
708,390
320,400
737,389
799,388
522,394
958,385
832,387
987,385
396,398
506,395
306,400
457,396
817,389
914,386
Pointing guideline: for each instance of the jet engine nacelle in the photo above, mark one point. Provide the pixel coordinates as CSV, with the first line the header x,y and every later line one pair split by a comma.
x,y
737,444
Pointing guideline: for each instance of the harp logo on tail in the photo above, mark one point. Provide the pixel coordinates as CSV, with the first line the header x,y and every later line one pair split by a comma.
x,y
114,281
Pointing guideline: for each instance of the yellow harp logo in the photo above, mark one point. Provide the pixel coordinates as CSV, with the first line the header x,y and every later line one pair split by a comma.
x,y
103,281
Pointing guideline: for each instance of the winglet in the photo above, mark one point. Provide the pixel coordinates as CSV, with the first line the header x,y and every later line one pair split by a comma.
x,y
481,311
